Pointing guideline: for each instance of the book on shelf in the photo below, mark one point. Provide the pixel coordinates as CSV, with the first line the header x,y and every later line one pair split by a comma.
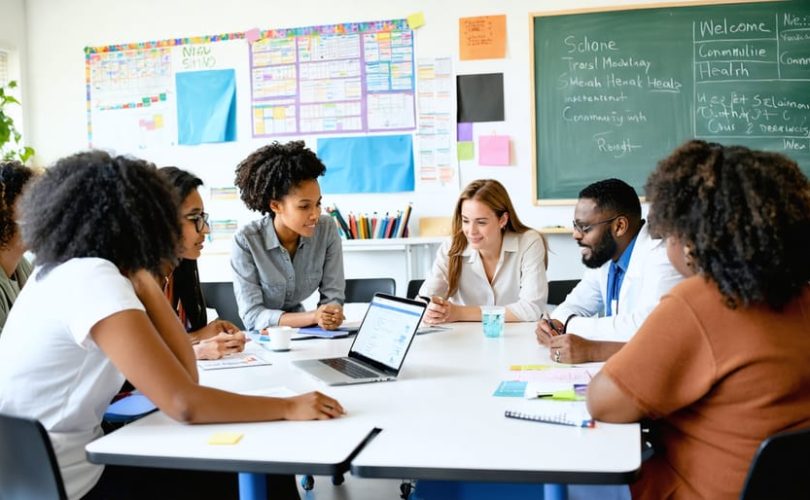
x,y
371,227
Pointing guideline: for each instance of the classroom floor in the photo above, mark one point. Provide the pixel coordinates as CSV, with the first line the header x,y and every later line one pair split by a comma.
x,y
353,488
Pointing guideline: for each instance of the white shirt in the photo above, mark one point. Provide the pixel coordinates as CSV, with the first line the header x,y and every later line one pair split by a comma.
x,y
649,275
50,368
519,282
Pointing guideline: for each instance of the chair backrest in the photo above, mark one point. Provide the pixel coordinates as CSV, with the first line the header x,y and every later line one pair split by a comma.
x,y
780,468
28,467
413,288
363,289
558,290
220,296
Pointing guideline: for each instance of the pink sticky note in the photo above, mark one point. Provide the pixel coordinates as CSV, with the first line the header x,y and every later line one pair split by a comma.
x,y
493,150
252,35
465,132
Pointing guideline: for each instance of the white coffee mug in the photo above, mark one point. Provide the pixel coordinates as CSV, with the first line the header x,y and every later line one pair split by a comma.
x,y
280,337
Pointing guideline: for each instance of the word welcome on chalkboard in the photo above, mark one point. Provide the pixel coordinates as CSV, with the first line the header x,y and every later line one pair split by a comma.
x,y
616,91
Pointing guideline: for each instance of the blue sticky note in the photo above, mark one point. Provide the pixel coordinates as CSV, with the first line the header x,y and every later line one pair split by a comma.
x,y
374,164
206,106
511,389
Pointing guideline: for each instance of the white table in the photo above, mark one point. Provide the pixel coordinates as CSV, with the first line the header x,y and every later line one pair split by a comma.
x,y
438,421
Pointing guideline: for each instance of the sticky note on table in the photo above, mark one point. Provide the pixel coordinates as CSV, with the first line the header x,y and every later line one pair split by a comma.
x,y
225,438
493,150
416,20
511,389
466,150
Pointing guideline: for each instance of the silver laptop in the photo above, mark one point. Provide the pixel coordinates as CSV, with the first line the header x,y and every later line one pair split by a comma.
x,y
378,350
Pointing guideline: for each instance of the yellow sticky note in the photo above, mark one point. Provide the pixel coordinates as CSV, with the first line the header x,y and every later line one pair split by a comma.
x,y
416,20
518,368
225,438
158,121
279,113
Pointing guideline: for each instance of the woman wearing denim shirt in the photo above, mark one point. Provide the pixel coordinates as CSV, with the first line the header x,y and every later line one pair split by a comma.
x,y
282,258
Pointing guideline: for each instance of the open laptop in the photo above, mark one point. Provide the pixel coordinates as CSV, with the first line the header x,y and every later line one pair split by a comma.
x,y
378,350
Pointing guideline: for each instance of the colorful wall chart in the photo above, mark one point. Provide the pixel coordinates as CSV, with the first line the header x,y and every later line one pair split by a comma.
x,y
435,144
132,91
354,77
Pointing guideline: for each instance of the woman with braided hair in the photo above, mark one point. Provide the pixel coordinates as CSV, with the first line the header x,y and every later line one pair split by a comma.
x,y
294,250
723,362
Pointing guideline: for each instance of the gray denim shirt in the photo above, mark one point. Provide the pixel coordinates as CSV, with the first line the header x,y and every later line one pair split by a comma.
x,y
267,283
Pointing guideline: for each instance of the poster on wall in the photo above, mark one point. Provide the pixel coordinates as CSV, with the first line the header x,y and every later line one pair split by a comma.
x,y
344,78
437,167
147,95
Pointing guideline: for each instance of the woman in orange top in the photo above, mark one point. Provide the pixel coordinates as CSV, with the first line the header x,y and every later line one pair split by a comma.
x,y
723,362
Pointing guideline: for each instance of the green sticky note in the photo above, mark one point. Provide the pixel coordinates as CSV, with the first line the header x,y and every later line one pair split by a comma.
x,y
466,150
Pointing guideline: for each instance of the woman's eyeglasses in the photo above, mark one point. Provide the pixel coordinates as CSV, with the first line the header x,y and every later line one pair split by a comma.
x,y
200,220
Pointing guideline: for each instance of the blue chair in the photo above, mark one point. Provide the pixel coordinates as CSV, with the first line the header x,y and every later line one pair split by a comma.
x,y
28,467
780,468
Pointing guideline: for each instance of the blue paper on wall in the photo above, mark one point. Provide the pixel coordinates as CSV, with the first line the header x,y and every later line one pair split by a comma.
x,y
206,106
372,164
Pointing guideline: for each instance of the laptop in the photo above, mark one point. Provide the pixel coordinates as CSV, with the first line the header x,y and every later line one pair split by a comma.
x,y
378,350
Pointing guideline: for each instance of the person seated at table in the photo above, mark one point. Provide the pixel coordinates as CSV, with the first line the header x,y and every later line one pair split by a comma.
x,y
492,259
101,228
182,283
294,250
723,362
628,273
16,269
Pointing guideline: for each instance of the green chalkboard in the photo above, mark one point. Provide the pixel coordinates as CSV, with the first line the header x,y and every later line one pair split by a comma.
x,y
616,91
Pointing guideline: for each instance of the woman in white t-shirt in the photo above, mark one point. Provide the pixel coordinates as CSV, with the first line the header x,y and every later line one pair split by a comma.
x,y
492,259
93,314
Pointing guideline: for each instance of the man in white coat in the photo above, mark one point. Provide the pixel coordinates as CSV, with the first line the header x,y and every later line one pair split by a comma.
x,y
628,273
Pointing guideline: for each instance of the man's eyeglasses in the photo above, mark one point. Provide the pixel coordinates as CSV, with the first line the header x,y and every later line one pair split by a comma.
x,y
200,220
585,229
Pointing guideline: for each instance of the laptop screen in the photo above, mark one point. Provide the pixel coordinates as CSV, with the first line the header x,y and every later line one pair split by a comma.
x,y
387,330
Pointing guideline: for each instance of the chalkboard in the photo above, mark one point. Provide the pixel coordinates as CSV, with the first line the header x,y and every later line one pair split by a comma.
x,y
616,91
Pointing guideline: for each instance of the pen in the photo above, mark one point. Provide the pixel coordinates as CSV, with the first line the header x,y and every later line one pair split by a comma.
x,y
550,322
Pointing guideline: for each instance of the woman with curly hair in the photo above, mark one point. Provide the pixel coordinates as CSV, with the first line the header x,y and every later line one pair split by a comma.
x,y
102,228
492,259
284,257
723,362
15,268
182,284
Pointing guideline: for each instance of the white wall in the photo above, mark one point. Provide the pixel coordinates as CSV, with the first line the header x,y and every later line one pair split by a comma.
x,y
58,30
13,41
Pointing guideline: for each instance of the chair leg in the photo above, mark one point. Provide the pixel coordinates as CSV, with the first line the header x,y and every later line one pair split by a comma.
x,y
338,479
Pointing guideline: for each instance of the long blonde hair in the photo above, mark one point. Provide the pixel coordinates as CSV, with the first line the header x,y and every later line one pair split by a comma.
x,y
492,194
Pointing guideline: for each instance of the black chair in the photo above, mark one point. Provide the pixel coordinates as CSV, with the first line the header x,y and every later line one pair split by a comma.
x,y
780,468
363,289
220,296
28,467
558,290
413,288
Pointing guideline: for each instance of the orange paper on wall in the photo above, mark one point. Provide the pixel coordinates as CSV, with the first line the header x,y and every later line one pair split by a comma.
x,y
482,37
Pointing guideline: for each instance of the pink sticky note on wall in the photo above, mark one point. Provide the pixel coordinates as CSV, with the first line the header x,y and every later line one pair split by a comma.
x,y
493,150
252,35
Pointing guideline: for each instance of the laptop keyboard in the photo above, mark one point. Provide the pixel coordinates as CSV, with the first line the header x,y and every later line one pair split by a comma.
x,y
348,368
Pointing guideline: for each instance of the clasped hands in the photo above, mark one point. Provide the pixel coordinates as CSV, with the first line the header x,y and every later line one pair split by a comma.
x,y
329,316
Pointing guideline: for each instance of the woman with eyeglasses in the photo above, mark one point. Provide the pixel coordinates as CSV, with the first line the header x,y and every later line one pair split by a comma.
x,y
182,284
293,250
492,259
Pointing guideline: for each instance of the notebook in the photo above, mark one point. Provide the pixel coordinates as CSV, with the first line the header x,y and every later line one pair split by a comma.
x,y
573,414
378,350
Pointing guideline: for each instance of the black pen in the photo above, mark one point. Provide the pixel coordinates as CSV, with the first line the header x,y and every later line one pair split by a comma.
x,y
550,322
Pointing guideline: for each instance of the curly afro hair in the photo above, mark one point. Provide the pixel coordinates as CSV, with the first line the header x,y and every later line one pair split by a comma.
x,y
94,205
270,172
745,215
13,177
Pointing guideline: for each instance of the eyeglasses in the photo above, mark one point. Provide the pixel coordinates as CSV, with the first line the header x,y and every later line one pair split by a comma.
x,y
585,229
200,220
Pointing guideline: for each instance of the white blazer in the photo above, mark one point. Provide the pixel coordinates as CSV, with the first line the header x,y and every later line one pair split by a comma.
x,y
649,276
519,282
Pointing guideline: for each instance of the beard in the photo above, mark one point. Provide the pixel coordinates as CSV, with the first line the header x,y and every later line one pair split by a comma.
x,y
601,252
